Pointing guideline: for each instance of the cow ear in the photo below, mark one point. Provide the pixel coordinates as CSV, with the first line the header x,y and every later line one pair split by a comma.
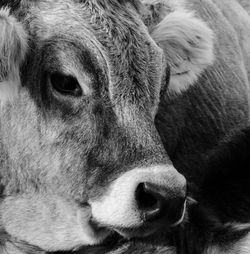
x,y
186,40
13,46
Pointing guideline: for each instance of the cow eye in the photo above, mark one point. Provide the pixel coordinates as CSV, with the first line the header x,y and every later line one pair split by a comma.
x,y
66,85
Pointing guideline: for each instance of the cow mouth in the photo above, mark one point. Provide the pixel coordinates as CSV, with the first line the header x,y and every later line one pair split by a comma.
x,y
149,228
143,229
98,229
110,242
117,236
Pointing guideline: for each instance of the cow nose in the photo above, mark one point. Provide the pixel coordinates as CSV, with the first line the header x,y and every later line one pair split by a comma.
x,y
157,203
142,201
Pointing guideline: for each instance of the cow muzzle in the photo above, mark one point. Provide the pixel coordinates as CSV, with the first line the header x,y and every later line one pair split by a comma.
x,y
142,201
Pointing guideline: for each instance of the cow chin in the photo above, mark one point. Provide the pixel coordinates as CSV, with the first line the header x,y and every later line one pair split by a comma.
x,y
50,223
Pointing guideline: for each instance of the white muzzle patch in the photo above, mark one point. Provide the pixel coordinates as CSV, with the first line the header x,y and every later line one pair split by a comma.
x,y
118,208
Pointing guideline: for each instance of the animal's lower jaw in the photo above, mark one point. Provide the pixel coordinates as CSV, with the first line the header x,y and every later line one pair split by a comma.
x,y
49,222
111,243
19,248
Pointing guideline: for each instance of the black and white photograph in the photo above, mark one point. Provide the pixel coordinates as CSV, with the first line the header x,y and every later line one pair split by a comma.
x,y
124,126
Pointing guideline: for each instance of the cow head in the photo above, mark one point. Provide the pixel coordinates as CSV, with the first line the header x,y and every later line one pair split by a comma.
x,y
80,155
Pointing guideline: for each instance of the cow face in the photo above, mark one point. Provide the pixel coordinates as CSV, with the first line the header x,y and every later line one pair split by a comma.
x,y
80,152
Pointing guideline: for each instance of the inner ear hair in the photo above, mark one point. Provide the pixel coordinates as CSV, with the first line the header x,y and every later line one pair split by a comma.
x,y
13,47
188,44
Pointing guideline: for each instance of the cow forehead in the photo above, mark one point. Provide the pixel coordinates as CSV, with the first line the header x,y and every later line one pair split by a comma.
x,y
116,27
114,31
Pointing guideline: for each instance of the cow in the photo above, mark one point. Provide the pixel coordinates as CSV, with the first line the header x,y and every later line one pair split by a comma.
x,y
101,103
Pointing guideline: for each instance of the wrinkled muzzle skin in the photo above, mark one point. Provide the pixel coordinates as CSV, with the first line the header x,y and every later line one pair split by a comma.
x,y
61,153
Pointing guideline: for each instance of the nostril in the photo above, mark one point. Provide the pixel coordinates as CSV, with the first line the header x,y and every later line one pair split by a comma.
x,y
145,199
156,202
147,202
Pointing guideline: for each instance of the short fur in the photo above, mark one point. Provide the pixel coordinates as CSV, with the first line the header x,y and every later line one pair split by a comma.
x,y
13,47
245,4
